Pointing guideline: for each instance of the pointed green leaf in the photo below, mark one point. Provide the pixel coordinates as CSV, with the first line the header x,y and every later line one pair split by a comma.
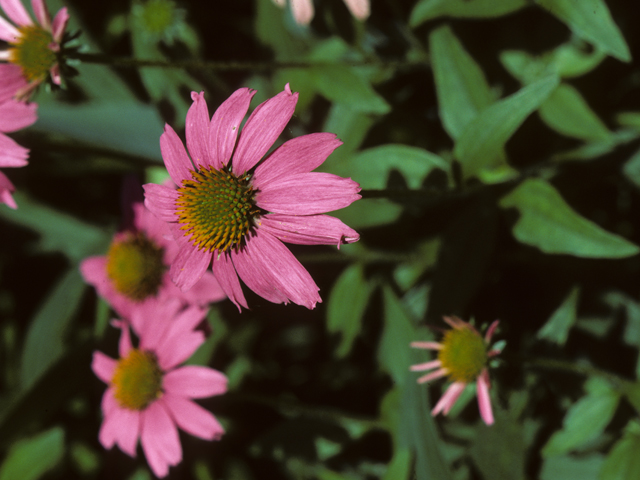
x,y
461,86
631,169
347,303
31,458
550,224
557,328
568,113
591,20
586,419
485,136
429,9
585,467
369,212
623,462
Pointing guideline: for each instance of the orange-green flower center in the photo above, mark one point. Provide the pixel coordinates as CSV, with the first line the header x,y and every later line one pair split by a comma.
x,y
463,354
137,380
216,208
135,267
32,52
157,15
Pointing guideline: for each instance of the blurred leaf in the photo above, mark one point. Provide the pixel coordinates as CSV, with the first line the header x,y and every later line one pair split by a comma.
x,y
586,419
429,9
597,148
567,113
219,331
271,29
572,468
407,273
631,169
347,303
140,474
623,461
369,212
482,141
631,334
461,86
351,126
629,119
58,231
557,328
399,467
86,459
591,20
371,167
548,223
44,343
30,459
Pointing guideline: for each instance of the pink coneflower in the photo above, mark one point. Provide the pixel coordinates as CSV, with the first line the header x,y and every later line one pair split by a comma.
x,y
236,214
136,268
33,47
14,115
149,396
303,10
462,356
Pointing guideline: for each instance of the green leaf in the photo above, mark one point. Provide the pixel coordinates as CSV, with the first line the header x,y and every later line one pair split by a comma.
x,y
44,344
557,328
590,20
461,86
371,167
550,224
399,467
347,303
631,169
429,9
623,461
484,138
351,126
585,420
31,458
572,468
407,273
568,113
369,212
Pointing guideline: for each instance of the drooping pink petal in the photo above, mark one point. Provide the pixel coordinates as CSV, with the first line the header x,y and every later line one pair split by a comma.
x,y
11,75
175,156
42,14
121,426
16,115
159,438
152,320
308,229
180,352
6,188
484,400
195,382
161,201
456,322
59,24
427,345
197,130
192,418
302,11
426,366
490,331
124,345
8,32
207,290
226,275
279,267
11,154
16,12
358,8
225,126
449,398
103,366
298,155
308,194
433,375
109,402
54,71
262,129
189,266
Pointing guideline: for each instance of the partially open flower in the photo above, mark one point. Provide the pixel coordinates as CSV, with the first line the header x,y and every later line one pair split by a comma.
x,y
149,395
463,356
33,46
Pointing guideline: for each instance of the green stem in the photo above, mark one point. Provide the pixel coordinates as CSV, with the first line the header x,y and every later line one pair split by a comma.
x,y
231,65
585,370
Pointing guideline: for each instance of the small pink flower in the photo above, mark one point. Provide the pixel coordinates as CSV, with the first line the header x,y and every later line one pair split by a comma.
x,y
462,356
303,10
33,46
136,269
231,214
148,395
14,115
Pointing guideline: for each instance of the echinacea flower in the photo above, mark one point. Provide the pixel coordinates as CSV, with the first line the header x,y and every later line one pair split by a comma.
x,y
303,10
233,215
463,355
149,396
14,115
33,46
136,268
